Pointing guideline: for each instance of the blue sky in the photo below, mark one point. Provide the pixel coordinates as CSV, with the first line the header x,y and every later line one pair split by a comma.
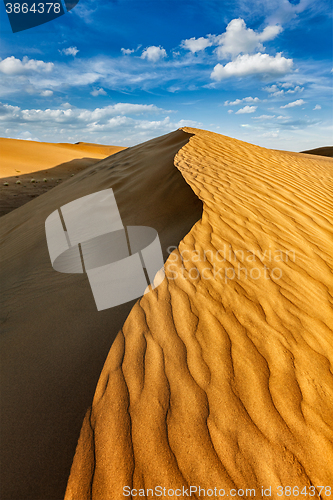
x,y
123,71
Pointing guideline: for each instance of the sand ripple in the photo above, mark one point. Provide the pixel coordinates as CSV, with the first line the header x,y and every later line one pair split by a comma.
x,y
222,376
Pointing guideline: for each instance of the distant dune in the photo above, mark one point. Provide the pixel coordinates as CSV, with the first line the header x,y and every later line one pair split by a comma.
x,y
325,151
29,169
222,376
20,157
53,341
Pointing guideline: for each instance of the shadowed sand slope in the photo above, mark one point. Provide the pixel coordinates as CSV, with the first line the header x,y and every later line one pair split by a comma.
x,y
325,151
29,169
16,191
222,376
54,342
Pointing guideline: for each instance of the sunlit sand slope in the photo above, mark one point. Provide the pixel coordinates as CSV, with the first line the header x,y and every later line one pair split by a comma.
x,y
222,376
19,157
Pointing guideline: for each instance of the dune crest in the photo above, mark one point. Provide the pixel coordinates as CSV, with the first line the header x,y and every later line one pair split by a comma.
x,y
54,341
222,376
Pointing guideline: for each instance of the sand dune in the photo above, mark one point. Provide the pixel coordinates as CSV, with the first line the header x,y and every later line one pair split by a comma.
x,y
20,157
54,342
324,151
222,376
29,169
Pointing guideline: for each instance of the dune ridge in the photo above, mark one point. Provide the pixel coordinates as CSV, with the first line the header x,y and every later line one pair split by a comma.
x,y
53,341
222,376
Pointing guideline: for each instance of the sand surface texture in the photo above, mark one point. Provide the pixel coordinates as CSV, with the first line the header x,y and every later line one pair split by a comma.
x,y
53,340
222,376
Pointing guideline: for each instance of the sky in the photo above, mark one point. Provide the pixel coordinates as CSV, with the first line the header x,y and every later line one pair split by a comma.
x,y
121,72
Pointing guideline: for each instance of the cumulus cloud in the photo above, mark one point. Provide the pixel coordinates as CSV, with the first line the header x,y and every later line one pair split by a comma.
x,y
287,85
239,101
72,115
272,88
317,106
296,89
70,51
153,53
27,136
13,66
127,52
197,44
239,39
97,92
46,93
120,122
299,102
276,90
236,39
246,109
256,64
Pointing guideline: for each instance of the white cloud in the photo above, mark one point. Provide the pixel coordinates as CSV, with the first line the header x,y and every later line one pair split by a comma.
x,y
196,44
246,109
230,111
27,136
70,51
277,91
127,52
256,64
287,85
317,106
73,124
272,88
13,66
296,89
153,53
239,101
46,93
235,40
239,39
263,117
287,11
72,115
97,92
299,102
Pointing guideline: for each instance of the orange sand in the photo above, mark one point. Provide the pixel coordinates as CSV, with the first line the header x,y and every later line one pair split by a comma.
x,y
21,157
222,380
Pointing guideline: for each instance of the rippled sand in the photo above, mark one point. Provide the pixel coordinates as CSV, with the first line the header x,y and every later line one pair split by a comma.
x,y
222,376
